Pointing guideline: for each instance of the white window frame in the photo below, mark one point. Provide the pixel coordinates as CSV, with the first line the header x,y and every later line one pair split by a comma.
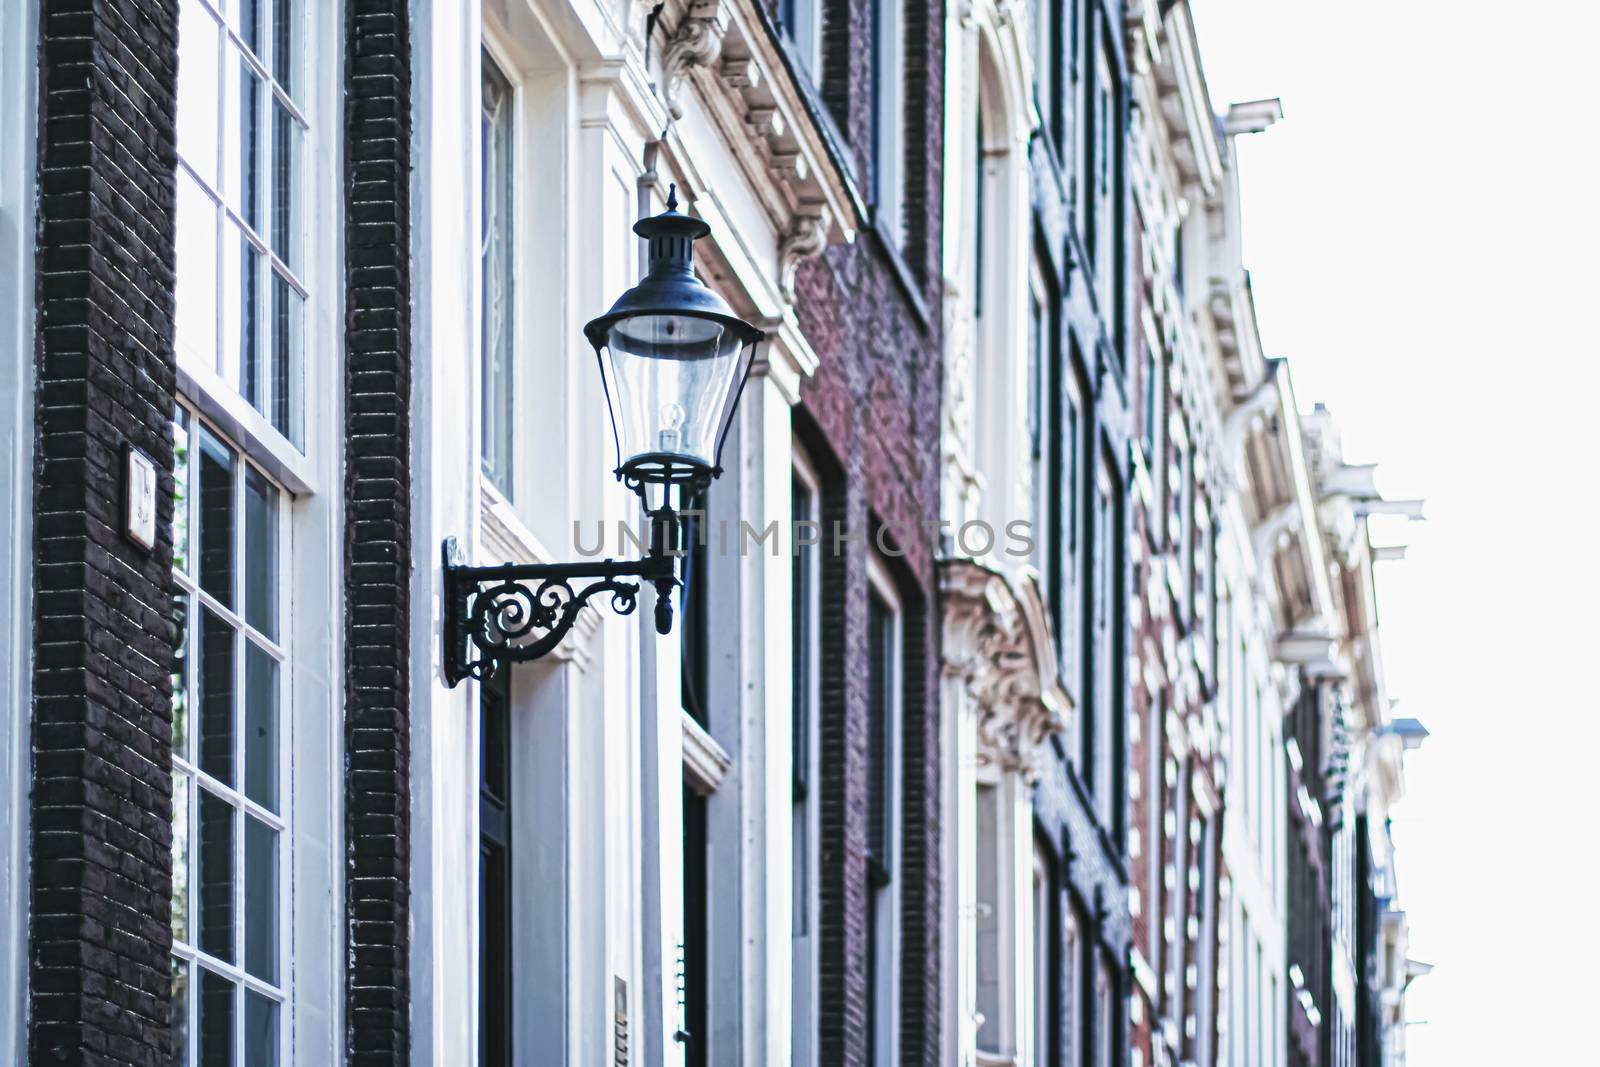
x,y
502,481
310,565
806,965
280,822
885,899
218,383
889,173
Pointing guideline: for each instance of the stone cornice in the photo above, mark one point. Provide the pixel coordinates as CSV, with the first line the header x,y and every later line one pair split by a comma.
x,y
998,645
723,51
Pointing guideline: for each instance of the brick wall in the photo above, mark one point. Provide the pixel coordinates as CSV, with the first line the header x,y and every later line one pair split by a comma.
x,y
99,943
377,531
871,413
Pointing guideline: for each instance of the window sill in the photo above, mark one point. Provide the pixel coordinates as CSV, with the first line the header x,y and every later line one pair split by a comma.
x,y
247,427
705,763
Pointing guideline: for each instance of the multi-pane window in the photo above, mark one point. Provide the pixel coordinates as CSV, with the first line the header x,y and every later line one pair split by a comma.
x,y
241,204
495,250
230,819
805,604
888,119
883,830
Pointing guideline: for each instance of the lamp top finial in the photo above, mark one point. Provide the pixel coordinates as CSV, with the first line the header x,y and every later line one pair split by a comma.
x,y
672,196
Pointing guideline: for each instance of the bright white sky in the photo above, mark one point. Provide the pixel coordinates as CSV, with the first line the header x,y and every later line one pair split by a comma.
x,y
1421,230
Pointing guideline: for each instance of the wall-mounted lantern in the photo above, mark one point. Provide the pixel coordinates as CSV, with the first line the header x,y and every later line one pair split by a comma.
x,y
673,361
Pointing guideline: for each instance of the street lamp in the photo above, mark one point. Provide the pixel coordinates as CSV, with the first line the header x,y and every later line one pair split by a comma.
x,y
673,360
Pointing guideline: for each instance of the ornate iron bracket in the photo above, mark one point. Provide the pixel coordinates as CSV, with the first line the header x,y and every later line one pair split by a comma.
x,y
495,616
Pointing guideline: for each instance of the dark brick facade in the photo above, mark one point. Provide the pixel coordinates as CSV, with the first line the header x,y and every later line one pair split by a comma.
x,y
871,419
100,935
1090,855
377,531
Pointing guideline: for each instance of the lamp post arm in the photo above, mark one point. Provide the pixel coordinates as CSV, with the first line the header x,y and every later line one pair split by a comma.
x,y
512,613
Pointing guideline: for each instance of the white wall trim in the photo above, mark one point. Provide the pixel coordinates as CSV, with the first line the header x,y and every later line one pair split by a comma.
x,y
19,44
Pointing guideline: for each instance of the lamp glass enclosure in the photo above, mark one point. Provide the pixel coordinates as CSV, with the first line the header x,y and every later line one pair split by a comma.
x,y
673,382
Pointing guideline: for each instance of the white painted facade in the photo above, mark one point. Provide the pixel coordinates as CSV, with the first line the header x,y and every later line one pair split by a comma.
x,y
601,747
1000,692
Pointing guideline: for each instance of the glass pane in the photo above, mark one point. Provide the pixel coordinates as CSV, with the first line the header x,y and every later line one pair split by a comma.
x,y
260,553
260,899
215,698
216,518
180,677
196,288
216,1020
198,36
286,149
180,858
242,177
285,46
496,280
214,899
180,492
178,1011
260,726
249,13
241,315
260,1030
288,340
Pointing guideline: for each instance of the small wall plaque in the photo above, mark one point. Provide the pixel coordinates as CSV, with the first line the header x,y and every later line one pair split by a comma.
x,y
139,488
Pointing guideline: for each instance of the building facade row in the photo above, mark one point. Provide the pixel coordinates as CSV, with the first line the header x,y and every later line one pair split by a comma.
x,y
1024,702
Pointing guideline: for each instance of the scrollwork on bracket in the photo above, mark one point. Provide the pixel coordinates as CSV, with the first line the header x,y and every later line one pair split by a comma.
x,y
497,616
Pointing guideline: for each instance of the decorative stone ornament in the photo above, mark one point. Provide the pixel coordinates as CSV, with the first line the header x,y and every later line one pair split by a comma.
x,y
696,42
997,647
